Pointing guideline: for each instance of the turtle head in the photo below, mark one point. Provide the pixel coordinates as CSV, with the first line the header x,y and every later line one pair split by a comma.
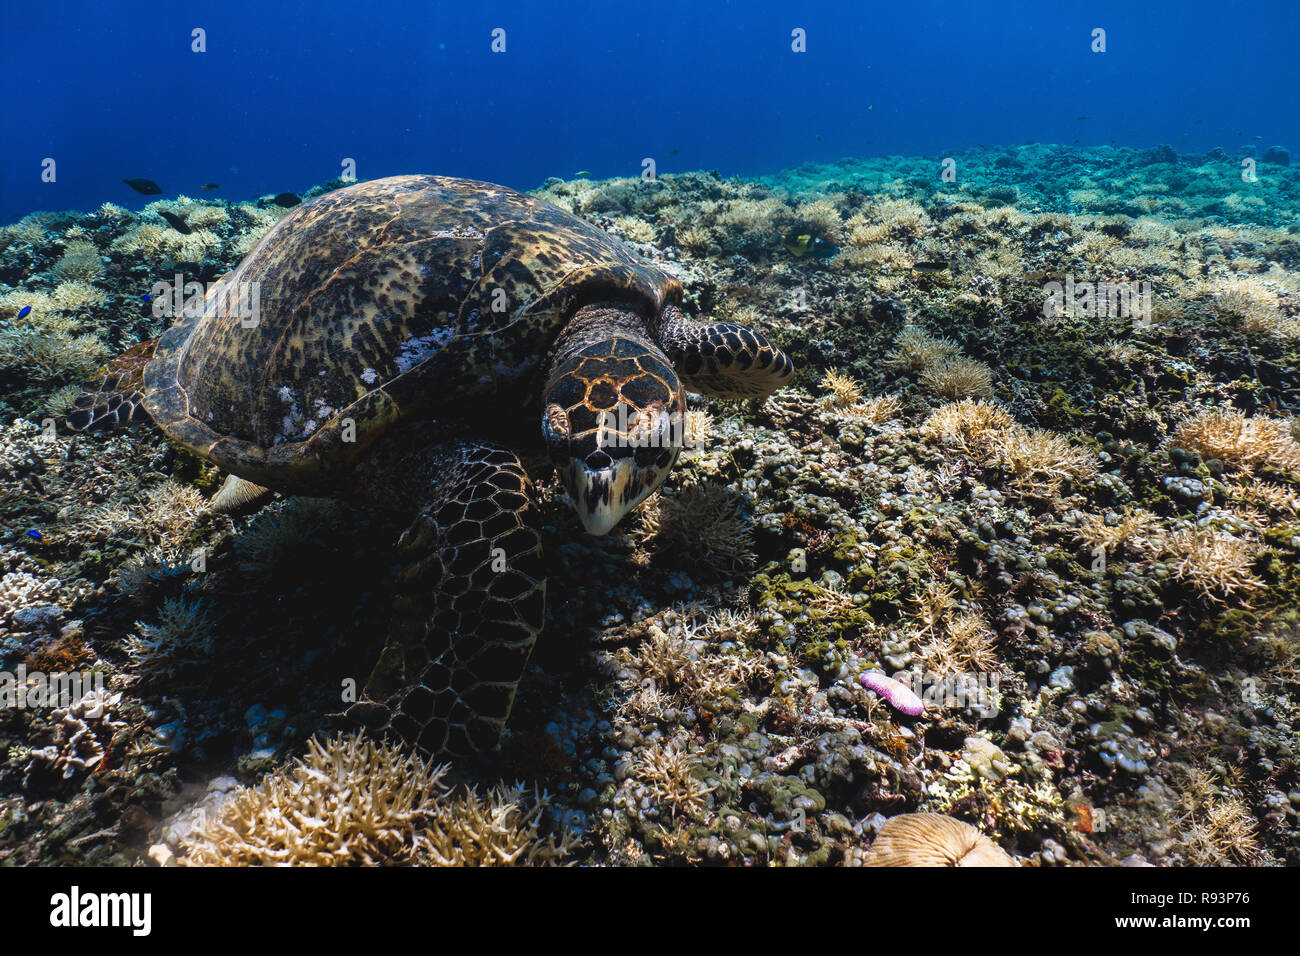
x,y
613,414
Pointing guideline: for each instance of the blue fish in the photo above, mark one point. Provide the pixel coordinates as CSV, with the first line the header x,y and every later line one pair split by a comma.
x,y
146,297
37,535
24,311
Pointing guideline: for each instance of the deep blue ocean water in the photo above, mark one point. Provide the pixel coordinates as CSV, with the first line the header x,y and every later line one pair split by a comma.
x,y
287,90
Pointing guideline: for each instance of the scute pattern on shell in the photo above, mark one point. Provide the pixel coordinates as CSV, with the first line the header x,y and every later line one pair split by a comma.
x,y
401,296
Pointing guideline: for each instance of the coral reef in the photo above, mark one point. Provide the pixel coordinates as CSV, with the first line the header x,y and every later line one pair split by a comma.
x,y
1071,532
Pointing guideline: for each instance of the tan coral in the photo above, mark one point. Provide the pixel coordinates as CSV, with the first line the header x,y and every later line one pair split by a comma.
x,y
915,349
352,800
932,839
1249,442
967,424
958,377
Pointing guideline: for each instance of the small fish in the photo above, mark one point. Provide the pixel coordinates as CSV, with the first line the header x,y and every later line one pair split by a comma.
x,y
146,187
37,535
286,200
805,244
210,186
931,267
871,107
179,224
673,152
146,297
24,312
1082,118
581,174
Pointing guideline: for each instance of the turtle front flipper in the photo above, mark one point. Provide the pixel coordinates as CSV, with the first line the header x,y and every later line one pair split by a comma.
x,y
723,359
117,396
469,603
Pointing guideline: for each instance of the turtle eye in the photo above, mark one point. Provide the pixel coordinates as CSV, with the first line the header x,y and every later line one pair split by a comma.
x,y
555,423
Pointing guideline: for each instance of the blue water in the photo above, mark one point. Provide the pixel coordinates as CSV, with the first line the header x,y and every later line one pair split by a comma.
x,y
287,90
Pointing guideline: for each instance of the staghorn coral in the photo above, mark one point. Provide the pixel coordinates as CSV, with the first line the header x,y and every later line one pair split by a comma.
x,y
1039,462
706,525
1214,829
916,350
1216,564
180,641
637,230
80,261
1249,442
970,425
958,377
351,800
75,295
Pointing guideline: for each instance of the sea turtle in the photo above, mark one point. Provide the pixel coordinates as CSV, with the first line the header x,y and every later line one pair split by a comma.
x,y
396,343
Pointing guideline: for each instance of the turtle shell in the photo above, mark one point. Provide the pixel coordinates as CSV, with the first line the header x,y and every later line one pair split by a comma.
x,y
412,295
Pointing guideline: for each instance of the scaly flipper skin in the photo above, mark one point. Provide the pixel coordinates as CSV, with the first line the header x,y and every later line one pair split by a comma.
x,y
117,398
724,360
470,598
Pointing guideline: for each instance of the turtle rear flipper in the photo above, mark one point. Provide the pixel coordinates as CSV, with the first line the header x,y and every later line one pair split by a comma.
x,y
117,397
469,603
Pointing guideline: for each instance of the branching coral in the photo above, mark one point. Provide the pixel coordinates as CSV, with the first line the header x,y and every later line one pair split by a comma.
x,y
671,775
1214,829
635,229
970,425
352,800
1216,564
958,377
916,350
75,295
1255,304
80,260
1136,527
844,400
705,525
48,353
181,639
1249,442
1039,462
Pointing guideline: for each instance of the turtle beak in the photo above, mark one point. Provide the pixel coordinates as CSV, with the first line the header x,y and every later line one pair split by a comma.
x,y
602,496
